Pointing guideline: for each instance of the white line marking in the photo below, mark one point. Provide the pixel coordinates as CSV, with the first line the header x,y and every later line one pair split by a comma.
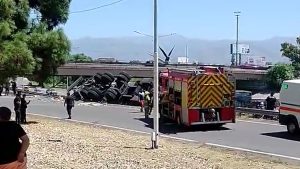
x,y
254,151
258,122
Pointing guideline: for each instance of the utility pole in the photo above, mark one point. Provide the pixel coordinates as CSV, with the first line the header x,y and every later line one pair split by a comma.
x,y
237,59
156,85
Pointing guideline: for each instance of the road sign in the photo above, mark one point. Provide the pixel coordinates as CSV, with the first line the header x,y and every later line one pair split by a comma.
x,y
242,49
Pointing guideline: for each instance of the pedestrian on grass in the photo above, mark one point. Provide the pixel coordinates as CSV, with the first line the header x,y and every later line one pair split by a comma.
x,y
17,108
13,152
24,104
69,101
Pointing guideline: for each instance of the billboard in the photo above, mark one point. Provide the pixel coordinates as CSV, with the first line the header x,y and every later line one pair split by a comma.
x,y
242,49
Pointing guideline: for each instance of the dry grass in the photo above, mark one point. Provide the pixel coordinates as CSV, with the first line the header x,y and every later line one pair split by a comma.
x,y
65,145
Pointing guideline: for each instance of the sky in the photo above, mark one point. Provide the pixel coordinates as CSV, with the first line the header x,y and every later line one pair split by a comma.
x,y
202,19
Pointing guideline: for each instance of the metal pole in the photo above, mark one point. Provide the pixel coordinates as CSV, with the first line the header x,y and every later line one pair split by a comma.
x,y
237,38
156,80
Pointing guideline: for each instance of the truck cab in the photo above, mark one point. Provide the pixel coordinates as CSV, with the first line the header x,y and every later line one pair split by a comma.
x,y
290,105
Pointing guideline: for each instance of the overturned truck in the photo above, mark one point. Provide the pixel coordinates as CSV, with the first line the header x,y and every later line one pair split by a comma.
x,y
109,88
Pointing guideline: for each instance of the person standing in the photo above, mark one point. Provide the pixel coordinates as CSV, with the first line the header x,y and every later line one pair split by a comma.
x,y
1,89
7,88
141,99
13,152
17,105
14,87
271,102
69,101
24,104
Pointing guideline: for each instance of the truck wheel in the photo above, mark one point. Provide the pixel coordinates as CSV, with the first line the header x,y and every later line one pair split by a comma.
x,y
105,79
126,75
97,78
111,76
122,78
293,127
84,93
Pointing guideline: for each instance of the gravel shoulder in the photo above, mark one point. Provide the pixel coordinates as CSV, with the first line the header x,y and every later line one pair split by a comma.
x,y
59,144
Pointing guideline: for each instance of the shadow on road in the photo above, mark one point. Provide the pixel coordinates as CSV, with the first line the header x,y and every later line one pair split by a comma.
x,y
169,127
283,135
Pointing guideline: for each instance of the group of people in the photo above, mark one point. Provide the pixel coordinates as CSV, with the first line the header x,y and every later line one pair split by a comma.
x,y
6,87
146,101
20,107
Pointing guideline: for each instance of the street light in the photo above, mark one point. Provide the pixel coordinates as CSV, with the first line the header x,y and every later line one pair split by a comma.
x,y
156,85
237,14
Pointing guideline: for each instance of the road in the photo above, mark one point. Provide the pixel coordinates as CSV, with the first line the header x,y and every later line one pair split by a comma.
x,y
257,136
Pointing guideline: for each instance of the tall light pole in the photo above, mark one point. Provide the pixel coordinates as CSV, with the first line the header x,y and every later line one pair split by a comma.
x,y
237,14
156,85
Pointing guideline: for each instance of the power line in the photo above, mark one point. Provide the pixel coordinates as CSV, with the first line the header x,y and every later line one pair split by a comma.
x,y
98,7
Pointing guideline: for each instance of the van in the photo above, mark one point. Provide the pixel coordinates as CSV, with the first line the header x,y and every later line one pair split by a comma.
x,y
290,105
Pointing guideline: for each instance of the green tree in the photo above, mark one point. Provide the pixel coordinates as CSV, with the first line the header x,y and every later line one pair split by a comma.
x,y
42,46
80,58
53,12
293,53
277,74
50,50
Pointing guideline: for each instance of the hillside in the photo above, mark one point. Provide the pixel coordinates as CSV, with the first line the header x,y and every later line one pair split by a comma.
x,y
204,51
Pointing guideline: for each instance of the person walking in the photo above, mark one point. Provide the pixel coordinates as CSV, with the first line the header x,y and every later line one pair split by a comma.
x,y
69,101
17,108
13,152
24,104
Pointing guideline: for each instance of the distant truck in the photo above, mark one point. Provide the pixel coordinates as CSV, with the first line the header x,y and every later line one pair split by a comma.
x,y
290,105
197,97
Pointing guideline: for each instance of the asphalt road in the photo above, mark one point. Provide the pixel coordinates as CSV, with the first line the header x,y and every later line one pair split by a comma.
x,y
263,137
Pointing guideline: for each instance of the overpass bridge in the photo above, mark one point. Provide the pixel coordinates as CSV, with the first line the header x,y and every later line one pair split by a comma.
x,y
248,78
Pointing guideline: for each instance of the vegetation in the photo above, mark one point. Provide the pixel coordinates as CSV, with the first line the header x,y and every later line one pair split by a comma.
x,y
293,53
277,74
39,47
80,58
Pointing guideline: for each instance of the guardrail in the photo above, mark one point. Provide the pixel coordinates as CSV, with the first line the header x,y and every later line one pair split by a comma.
x,y
257,111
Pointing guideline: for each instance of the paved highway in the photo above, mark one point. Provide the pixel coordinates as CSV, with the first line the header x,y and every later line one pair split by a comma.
x,y
257,136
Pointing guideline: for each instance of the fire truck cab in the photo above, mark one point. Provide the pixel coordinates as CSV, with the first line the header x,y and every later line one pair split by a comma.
x,y
198,96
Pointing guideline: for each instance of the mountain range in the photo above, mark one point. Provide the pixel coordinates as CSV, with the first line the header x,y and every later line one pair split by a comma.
x,y
199,50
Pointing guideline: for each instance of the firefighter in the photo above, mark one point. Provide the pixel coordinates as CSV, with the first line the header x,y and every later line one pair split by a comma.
x,y
147,104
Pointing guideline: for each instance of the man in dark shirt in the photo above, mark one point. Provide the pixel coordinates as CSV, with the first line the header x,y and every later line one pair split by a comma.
x,y
69,101
14,87
17,105
271,102
12,151
24,104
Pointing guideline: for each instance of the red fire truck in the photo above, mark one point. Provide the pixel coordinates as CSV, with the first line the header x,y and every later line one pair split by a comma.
x,y
198,96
